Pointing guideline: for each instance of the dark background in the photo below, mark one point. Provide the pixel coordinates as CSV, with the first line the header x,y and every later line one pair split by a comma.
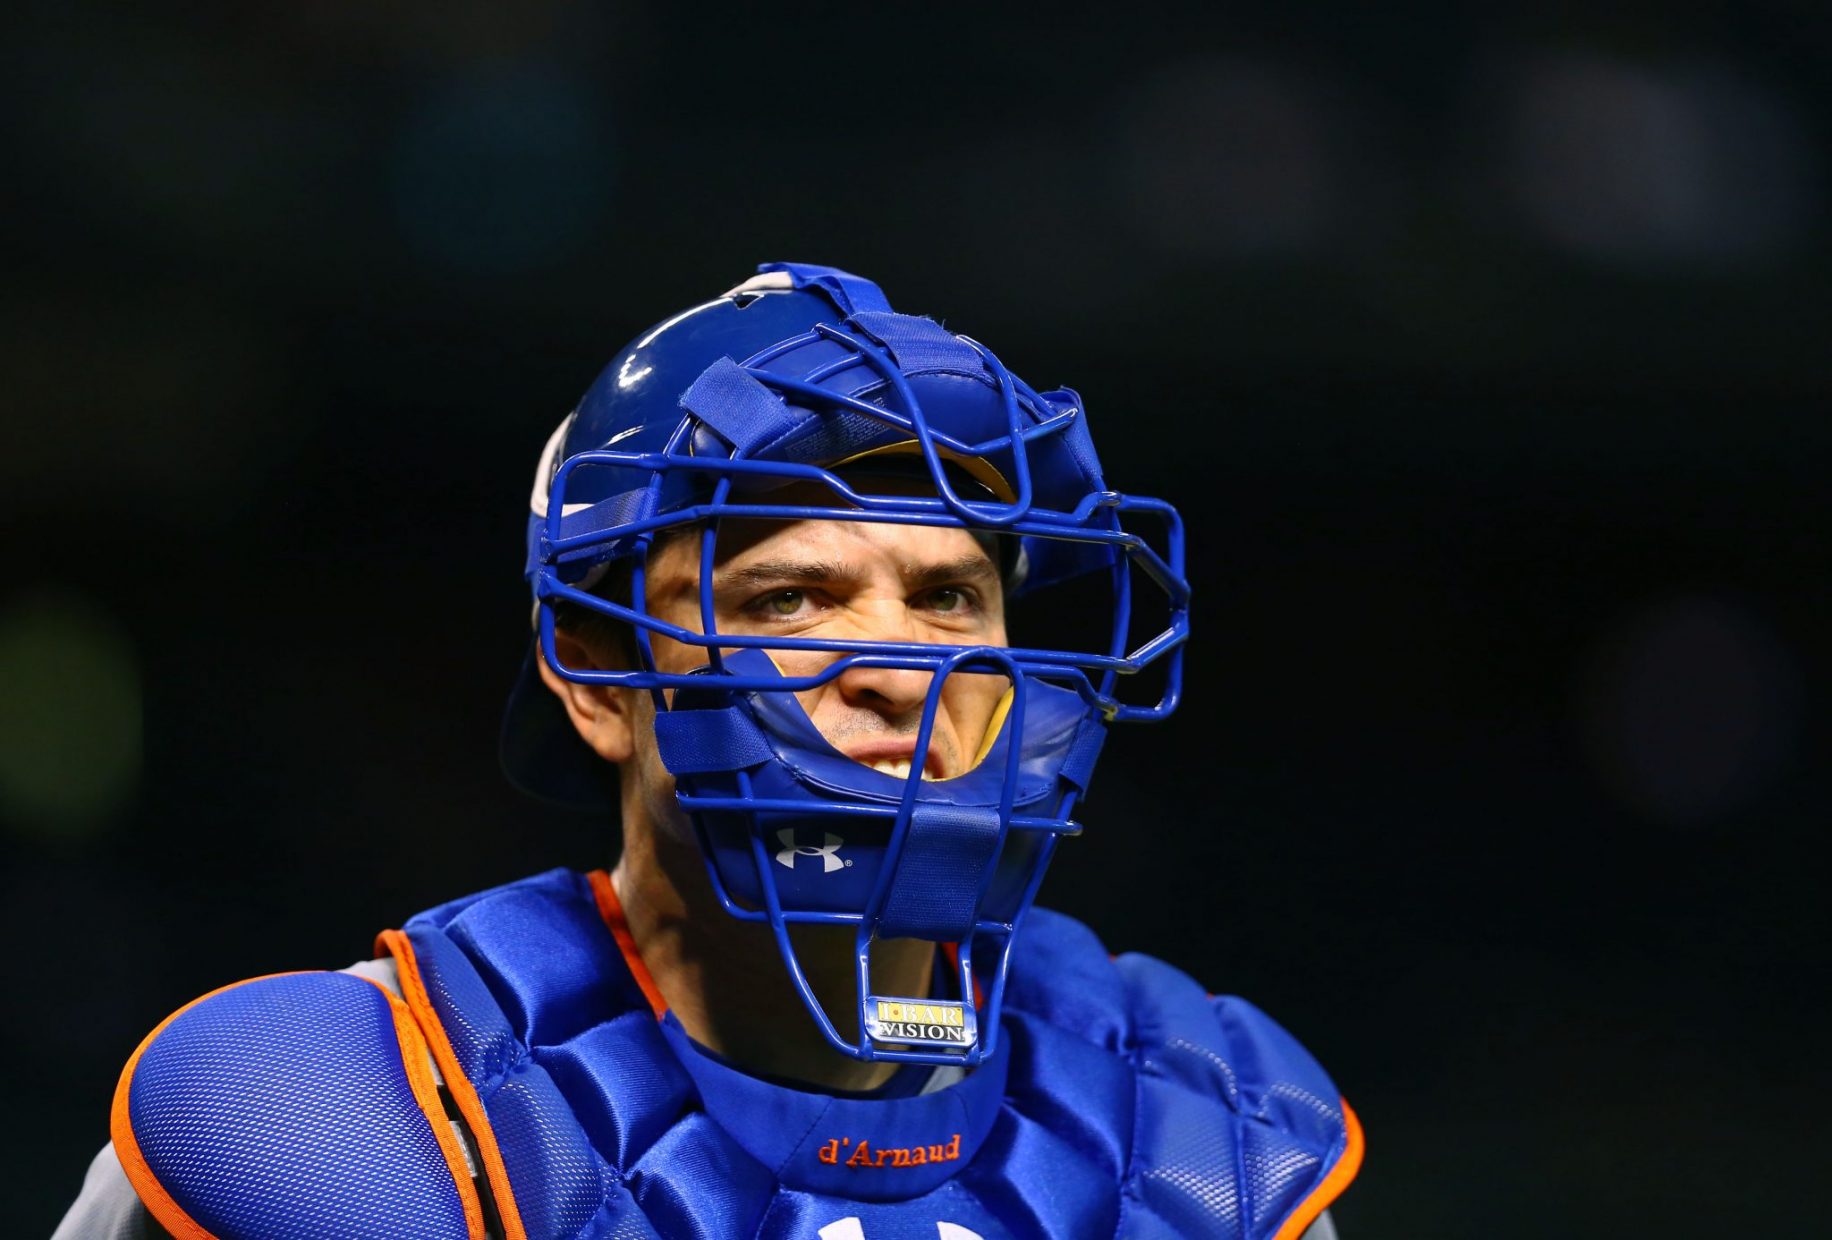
x,y
1484,349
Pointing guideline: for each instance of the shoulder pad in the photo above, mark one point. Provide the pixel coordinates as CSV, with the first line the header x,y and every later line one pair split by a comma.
x,y
1223,1045
1061,974
292,1106
1280,1119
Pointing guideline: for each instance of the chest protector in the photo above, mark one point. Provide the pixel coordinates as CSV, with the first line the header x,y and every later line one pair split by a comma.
x,y
1122,1101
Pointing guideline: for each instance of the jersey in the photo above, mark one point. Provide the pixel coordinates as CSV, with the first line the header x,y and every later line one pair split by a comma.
x,y
528,1082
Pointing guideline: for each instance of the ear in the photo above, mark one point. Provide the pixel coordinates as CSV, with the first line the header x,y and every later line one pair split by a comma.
x,y
603,714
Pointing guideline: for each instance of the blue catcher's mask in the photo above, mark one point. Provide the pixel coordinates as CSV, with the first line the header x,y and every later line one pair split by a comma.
x,y
803,381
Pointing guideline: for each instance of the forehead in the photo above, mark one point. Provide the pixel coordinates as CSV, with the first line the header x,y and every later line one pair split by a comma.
x,y
826,541
829,539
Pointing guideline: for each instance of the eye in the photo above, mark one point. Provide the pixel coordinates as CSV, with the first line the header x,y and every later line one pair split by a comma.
x,y
956,601
784,602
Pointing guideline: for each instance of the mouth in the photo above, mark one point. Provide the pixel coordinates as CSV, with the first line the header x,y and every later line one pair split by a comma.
x,y
897,760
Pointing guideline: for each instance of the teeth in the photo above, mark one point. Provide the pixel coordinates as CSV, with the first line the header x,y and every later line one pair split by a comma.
x,y
896,768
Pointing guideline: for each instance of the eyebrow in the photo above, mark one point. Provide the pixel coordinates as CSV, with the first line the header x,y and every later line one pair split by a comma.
x,y
768,572
966,568
826,572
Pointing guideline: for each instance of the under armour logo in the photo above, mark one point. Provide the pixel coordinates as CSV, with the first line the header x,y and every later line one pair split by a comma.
x,y
852,1229
828,851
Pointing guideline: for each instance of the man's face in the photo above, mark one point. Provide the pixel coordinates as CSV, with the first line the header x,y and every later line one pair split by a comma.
x,y
844,581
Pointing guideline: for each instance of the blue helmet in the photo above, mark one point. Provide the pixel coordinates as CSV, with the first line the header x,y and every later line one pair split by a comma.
x,y
797,376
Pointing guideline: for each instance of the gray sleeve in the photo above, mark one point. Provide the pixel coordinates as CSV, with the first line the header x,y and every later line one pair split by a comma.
x,y
382,970
1322,1229
107,1208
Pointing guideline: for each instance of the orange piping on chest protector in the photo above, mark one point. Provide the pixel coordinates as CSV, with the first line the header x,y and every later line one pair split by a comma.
x,y
1339,1178
415,1058
396,944
610,908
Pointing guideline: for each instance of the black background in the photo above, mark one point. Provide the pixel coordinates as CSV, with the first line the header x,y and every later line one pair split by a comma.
x,y
1484,350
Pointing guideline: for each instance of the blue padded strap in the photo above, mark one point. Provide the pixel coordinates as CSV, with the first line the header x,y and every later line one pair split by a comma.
x,y
619,509
920,344
1076,438
936,890
1078,766
693,742
742,410
849,292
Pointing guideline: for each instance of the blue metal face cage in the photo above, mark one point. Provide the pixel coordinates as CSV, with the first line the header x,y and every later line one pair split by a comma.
x,y
805,375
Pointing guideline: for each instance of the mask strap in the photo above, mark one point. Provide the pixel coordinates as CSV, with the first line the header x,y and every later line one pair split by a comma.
x,y
848,292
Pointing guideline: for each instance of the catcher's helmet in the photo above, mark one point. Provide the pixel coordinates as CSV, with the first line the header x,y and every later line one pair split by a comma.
x,y
805,375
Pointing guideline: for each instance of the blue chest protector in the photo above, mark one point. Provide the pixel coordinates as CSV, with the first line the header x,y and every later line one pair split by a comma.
x,y
1122,1101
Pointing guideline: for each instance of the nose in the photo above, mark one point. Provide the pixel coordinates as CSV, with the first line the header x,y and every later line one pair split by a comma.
x,y
895,693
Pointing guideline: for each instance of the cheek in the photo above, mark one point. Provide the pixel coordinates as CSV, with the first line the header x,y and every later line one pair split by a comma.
x,y
673,656
675,604
806,663
971,699
656,783
656,794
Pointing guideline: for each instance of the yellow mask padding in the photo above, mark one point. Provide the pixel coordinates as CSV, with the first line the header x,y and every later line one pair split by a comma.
x,y
994,727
